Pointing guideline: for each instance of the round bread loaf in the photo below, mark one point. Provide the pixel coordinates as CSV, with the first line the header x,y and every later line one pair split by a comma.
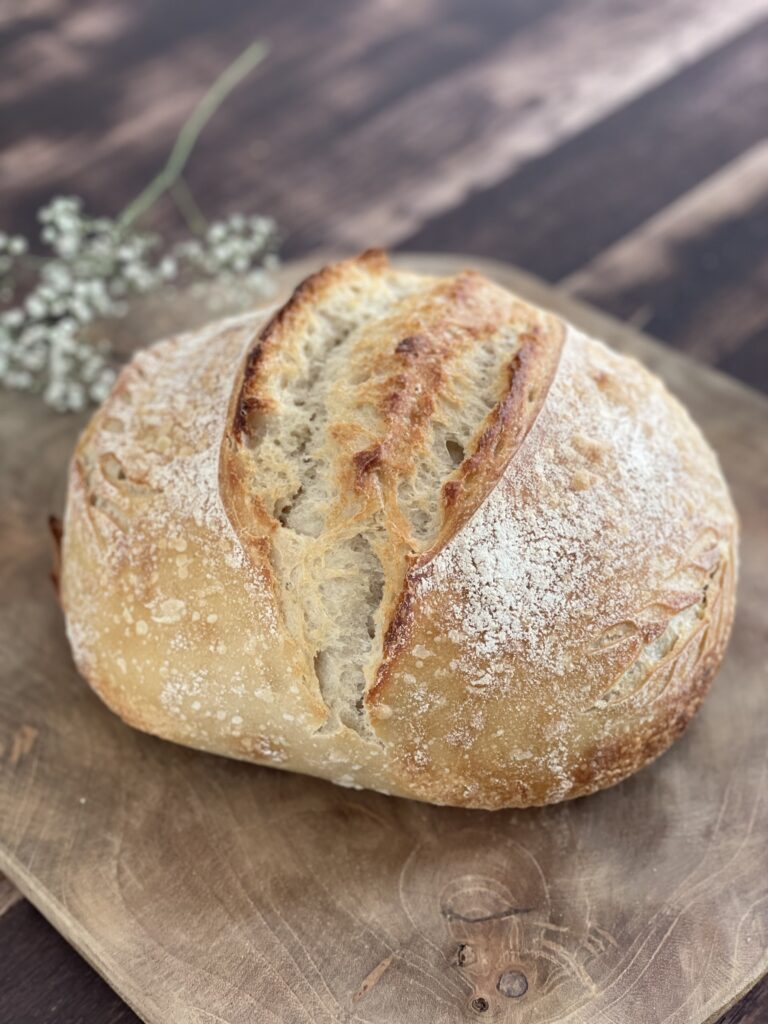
x,y
410,534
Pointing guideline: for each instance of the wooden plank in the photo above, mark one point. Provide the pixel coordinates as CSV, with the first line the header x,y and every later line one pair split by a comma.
x,y
98,116
345,64
205,889
698,270
311,161
37,971
9,895
485,122
750,362
752,1009
561,211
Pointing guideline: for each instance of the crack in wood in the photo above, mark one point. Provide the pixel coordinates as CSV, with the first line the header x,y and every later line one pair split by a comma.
x,y
453,915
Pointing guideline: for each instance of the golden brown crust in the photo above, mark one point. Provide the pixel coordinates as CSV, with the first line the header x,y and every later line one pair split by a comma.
x,y
289,317
405,379
530,374
551,630
523,720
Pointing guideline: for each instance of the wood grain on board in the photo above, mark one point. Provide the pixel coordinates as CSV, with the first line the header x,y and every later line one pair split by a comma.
x,y
204,889
616,148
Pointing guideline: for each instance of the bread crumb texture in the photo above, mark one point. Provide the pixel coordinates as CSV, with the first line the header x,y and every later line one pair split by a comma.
x,y
407,533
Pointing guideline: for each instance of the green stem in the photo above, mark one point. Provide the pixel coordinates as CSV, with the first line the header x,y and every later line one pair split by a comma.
x,y
190,132
186,204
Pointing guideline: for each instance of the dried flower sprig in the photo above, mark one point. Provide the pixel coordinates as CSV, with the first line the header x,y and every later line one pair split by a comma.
x,y
96,264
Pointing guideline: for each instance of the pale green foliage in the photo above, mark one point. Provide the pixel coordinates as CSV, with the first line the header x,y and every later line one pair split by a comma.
x,y
49,307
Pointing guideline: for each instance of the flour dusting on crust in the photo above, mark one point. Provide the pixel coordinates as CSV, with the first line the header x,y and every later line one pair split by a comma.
x,y
584,570
534,557
552,633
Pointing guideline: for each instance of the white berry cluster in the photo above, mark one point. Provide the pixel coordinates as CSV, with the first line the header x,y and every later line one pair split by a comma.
x,y
47,339
231,246
11,248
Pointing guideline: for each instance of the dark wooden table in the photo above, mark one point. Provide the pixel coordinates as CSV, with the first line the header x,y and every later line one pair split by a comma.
x,y
618,148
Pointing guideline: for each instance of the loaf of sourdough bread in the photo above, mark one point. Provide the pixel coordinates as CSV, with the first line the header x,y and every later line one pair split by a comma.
x,y
406,533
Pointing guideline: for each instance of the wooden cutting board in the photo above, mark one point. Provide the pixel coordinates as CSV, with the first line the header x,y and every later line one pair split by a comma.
x,y
205,890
